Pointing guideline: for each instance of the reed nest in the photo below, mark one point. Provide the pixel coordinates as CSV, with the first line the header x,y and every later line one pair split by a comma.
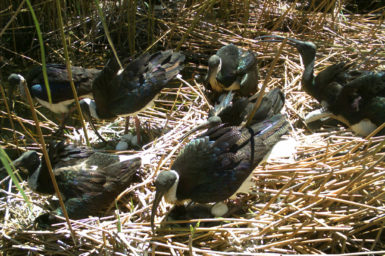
x,y
327,196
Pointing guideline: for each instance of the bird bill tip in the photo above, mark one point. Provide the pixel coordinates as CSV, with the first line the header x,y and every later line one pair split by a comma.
x,y
155,203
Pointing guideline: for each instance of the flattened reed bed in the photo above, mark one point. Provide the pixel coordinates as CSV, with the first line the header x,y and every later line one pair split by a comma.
x,y
328,197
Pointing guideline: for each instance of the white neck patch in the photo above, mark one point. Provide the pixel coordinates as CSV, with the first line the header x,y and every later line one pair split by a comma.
x,y
170,196
21,86
220,65
92,106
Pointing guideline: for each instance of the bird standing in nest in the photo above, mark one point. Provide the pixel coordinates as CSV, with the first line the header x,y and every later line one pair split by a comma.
x,y
218,164
126,92
232,69
59,84
88,180
354,97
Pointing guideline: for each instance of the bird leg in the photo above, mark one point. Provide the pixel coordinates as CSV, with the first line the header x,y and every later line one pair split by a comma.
x,y
59,131
96,131
126,125
65,117
137,128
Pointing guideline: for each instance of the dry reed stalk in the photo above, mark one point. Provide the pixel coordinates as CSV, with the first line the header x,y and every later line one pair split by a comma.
x,y
329,198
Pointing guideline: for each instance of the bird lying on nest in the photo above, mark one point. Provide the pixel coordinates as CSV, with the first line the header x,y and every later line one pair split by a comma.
x,y
218,164
232,69
233,111
88,180
354,97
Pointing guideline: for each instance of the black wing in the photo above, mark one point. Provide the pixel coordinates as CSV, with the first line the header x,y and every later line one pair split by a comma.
x,y
214,169
59,81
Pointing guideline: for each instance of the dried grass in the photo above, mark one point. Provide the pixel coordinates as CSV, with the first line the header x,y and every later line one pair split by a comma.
x,y
328,198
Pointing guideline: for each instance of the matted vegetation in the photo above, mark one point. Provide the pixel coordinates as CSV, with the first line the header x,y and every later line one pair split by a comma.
x,y
328,197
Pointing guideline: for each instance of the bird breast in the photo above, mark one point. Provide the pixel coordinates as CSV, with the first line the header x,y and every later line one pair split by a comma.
x,y
364,127
170,195
58,108
216,86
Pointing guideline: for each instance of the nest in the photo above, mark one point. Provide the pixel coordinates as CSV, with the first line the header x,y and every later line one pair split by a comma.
x,y
327,196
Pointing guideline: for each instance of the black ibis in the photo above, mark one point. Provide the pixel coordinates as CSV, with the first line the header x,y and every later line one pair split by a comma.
x,y
354,97
27,163
59,84
88,180
232,69
126,92
214,166
235,111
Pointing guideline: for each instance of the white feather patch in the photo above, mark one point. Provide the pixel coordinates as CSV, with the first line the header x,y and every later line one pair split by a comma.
x,y
219,209
170,196
58,108
364,128
317,115
283,151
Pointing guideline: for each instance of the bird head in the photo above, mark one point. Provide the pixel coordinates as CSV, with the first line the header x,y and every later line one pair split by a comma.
x,y
214,62
306,49
29,161
165,184
88,107
15,81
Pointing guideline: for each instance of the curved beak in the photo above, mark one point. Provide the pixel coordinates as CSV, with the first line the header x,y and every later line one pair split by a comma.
x,y
211,122
18,162
96,132
205,125
23,161
11,97
87,117
155,203
274,38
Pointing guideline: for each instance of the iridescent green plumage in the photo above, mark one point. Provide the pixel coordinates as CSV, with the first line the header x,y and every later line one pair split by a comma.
x,y
88,180
353,97
216,165
232,69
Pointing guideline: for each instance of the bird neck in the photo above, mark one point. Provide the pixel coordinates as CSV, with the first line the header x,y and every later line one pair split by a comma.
x,y
40,180
93,110
308,75
92,107
21,87
170,196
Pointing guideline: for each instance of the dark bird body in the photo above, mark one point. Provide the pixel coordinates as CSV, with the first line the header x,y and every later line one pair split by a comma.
x,y
233,111
232,69
128,91
59,82
27,162
355,97
88,180
215,166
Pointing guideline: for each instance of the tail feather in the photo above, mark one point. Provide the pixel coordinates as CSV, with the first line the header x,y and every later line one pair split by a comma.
x,y
268,131
271,104
224,102
174,65
120,175
265,135
163,67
